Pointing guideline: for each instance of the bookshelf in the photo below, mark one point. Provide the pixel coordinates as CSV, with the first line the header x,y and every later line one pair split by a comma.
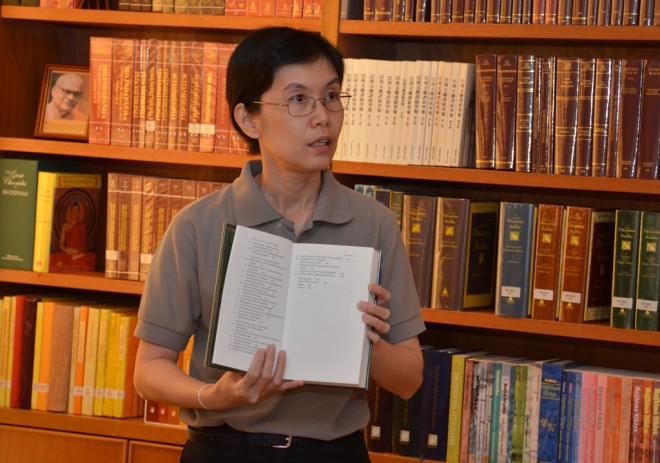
x,y
32,37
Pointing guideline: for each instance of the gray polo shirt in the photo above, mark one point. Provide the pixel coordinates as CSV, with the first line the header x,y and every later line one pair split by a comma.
x,y
178,296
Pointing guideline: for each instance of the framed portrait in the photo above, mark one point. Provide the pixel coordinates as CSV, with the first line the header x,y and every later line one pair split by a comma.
x,y
64,103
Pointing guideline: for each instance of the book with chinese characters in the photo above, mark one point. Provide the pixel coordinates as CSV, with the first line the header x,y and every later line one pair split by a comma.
x,y
270,290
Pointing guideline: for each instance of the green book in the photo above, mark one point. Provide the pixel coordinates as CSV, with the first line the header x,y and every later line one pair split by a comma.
x,y
648,279
624,275
18,203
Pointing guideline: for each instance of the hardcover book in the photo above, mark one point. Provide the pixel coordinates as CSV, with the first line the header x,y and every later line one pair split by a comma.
x,y
585,114
648,283
624,273
479,286
485,98
100,78
566,114
547,261
66,222
418,231
601,117
632,73
648,164
505,111
515,259
292,278
526,84
379,430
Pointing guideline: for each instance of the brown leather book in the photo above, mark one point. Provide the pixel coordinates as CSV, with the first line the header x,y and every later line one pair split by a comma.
x,y
613,122
547,261
566,114
172,122
123,224
209,89
525,87
505,111
632,71
111,241
574,264
139,91
546,113
151,93
222,122
418,231
184,97
135,228
163,92
585,117
648,163
195,102
485,97
602,92
147,245
60,357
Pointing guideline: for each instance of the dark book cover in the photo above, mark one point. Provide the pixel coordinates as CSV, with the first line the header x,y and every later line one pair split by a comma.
x,y
602,92
435,402
614,120
515,259
485,97
479,286
624,274
648,164
418,231
505,111
547,261
566,114
648,283
379,429
526,85
632,71
546,114
600,257
406,425
583,145
580,12
450,251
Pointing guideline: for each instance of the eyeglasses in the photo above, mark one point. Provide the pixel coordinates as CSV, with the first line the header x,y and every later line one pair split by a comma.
x,y
302,105
70,93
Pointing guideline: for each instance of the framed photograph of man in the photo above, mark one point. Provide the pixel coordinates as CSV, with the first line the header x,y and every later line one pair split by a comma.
x,y
64,103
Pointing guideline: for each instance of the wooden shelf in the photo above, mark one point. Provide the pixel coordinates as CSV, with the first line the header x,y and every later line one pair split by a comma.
x,y
127,19
94,281
487,320
501,32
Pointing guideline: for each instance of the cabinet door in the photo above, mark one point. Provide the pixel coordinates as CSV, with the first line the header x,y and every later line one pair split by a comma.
x,y
27,445
144,452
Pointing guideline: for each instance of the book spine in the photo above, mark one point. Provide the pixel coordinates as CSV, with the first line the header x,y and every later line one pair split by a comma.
x,y
60,358
505,111
546,156
100,78
164,67
526,84
175,96
222,120
547,261
614,119
479,284
147,226
135,228
43,220
379,430
624,274
151,90
111,243
417,231
122,92
632,71
602,92
585,114
574,264
137,109
600,264
648,279
209,88
485,94
648,165
184,97
195,103
566,115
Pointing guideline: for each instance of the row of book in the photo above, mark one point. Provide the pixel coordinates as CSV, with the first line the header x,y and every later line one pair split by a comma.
x,y
140,208
64,354
162,94
571,116
560,12
479,406
408,112
544,261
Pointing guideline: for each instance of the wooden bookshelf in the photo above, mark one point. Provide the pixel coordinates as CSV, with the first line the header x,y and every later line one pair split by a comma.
x,y
31,37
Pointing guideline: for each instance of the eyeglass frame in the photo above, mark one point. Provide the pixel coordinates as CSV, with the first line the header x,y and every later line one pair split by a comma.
x,y
70,93
340,95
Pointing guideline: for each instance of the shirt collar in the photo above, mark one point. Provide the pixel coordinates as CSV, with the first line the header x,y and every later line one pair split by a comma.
x,y
251,208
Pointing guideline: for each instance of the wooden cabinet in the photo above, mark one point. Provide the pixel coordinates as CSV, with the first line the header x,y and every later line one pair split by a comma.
x,y
32,37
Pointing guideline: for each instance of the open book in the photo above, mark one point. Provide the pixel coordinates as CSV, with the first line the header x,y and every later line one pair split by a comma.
x,y
300,297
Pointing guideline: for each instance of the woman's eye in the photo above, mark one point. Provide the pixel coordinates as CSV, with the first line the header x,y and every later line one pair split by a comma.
x,y
298,99
331,96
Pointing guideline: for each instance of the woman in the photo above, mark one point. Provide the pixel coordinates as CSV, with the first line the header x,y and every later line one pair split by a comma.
x,y
284,94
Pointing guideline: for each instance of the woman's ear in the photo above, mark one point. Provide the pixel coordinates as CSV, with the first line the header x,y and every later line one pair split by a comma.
x,y
245,121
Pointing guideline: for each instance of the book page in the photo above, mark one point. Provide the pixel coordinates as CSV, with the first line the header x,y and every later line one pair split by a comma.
x,y
254,297
324,335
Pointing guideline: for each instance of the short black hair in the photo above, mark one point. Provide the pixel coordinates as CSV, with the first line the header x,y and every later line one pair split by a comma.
x,y
252,66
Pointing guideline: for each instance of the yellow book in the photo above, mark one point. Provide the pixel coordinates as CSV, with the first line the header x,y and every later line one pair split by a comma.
x,y
4,346
73,366
44,364
111,364
36,364
9,363
43,220
125,403
79,360
91,353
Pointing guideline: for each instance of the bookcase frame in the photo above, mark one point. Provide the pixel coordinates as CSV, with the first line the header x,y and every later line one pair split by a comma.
x,y
31,37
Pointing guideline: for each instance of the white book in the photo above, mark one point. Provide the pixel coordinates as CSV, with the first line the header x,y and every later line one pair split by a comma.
x,y
408,136
270,290
369,145
442,104
447,153
341,153
465,90
386,108
430,111
420,114
398,96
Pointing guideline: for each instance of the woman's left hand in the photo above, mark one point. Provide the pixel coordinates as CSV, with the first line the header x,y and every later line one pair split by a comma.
x,y
375,315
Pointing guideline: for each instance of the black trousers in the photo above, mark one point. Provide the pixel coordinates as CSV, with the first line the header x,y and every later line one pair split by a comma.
x,y
348,449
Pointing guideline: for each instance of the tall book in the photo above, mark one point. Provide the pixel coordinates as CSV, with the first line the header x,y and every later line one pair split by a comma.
x,y
586,278
210,96
449,253
648,274
418,231
66,222
121,102
100,79
479,285
111,236
406,429
602,105
566,114
611,156
632,72
485,116
60,357
379,430
515,259
525,87
505,111
23,354
18,203
648,165
545,160
547,261
585,114
624,272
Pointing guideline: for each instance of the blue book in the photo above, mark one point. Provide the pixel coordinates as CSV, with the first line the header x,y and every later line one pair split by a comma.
x,y
515,257
379,430
435,402
567,416
549,409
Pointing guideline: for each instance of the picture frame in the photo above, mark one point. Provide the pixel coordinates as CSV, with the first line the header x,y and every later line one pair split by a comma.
x,y
64,103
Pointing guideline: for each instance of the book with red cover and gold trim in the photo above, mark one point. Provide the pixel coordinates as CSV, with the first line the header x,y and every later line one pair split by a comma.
x,y
632,72
600,125
505,111
566,114
585,114
100,78
485,97
547,261
121,119
648,164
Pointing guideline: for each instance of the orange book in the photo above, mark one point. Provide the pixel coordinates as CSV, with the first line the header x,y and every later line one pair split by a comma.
x,y
91,351
126,398
111,242
78,357
121,113
195,89
123,224
184,97
151,411
137,108
147,239
135,228
284,9
174,99
151,92
267,8
209,88
43,385
163,93
222,120
100,78
612,418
